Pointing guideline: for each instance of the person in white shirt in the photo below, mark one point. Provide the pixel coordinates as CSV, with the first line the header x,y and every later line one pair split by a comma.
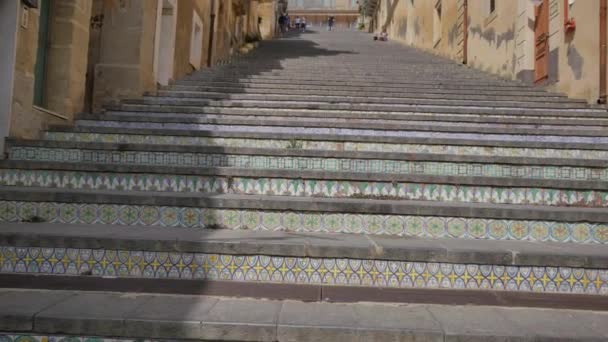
x,y
298,21
303,24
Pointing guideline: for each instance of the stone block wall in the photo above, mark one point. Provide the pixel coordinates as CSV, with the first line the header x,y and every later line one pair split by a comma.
x,y
502,42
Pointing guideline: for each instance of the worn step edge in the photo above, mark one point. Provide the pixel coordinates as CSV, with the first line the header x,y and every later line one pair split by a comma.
x,y
166,112
349,246
377,125
307,293
409,109
412,99
473,107
305,175
328,137
128,316
307,204
591,163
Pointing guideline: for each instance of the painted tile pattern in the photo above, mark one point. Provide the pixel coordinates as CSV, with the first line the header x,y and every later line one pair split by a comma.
x,y
327,145
395,225
308,163
301,187
301,270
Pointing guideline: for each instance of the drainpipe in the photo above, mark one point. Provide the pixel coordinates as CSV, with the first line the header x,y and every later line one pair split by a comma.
x,y
603,52
211,35
465,44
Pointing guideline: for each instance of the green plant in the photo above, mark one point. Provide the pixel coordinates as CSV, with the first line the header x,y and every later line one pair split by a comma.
x,y
361,26
295,144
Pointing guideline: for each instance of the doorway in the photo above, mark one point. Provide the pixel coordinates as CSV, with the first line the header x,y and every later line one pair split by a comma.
x,y
165,48
541,42
8,45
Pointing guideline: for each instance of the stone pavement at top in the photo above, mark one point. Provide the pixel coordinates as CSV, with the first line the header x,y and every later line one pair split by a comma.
x,y
321,167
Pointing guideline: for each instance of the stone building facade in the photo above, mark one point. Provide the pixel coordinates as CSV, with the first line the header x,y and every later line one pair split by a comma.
x,y
64,57
316,12
556,43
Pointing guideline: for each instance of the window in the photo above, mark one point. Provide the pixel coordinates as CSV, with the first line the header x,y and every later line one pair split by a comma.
x,y
492,6
196,41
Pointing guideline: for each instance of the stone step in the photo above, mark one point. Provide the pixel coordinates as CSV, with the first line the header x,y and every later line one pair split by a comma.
x,y
363,92
41,315
311,215
365,82
382,87
456,100
362,89
348,261
263,123
294,159
469,108
419,114
304,184
586,136
329,142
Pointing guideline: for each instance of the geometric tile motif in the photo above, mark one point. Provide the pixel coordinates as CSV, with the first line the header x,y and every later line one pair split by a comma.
x,y
327,145
301,187
319,222
301,270
308,163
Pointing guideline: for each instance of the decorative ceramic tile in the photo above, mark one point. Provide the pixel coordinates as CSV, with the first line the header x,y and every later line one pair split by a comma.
x,y
301,270
302,187
328,145
396,225
308,163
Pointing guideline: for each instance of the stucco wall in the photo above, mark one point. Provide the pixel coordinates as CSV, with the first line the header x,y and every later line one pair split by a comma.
x,y
26,121
576,55
8,40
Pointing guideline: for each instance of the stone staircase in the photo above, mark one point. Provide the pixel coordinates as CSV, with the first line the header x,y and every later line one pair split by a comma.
x,y
322,167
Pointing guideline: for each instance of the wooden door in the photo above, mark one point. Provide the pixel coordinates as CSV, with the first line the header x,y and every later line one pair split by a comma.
x,y
541,39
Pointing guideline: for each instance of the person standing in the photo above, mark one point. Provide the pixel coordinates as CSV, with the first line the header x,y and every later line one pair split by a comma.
x,y
303,24
330,23
298,22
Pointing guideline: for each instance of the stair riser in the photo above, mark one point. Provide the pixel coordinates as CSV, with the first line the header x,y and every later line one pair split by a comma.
x,y
343,132
301,188
363,88
428,99
343,123
185,159
304,222
366,93
123,263
417,115
431,111
299,142
381,105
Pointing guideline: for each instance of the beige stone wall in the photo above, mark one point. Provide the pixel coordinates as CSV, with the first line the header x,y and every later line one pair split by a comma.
x,y
25,120
502,42
576,55
267,11
182,64
67,56
418,24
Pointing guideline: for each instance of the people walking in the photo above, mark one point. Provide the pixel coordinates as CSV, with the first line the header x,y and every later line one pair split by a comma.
x,y
298,22
283,23
330,23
